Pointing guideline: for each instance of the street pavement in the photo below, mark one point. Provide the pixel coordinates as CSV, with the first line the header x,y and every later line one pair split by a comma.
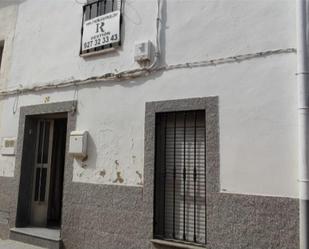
x,y
10,244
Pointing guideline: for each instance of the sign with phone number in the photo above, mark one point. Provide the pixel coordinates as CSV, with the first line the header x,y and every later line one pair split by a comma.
x,y
101,30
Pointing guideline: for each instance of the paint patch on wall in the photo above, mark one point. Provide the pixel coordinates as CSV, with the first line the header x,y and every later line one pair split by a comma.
x,y
119,178
140,176
7,166
115,156
102,173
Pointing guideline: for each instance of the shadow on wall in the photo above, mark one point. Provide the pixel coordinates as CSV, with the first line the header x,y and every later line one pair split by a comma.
x,y
6,3
91,161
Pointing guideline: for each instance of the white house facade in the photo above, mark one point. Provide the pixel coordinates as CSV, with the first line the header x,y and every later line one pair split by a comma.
x,y
141,124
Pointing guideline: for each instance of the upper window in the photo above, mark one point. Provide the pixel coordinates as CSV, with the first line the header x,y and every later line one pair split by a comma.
x,y
1,51
180,177
101,26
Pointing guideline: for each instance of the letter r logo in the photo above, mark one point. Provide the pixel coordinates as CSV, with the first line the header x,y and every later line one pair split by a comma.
x,y
100,27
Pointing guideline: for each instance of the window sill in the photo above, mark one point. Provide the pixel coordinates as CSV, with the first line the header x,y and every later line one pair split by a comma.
x,y
175,244
94,53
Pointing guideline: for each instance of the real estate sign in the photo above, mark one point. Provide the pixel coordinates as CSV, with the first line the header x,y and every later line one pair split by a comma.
x,y
101,30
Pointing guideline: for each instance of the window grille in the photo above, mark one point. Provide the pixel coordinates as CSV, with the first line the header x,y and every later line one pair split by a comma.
x,y
95,8
42,161
180,177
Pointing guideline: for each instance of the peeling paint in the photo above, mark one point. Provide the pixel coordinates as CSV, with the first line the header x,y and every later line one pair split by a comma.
x,y
113,149
46,99
119,178
139,174
117,163
102,173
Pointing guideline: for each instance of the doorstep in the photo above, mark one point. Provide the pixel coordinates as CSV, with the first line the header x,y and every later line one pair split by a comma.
x,y
44,237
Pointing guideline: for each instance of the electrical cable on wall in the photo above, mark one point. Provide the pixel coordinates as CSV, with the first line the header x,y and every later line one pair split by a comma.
x,y
146,71
143,72
75,99
158,37
15,105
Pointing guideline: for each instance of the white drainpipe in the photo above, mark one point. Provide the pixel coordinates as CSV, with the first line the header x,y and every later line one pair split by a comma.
x,y
303,119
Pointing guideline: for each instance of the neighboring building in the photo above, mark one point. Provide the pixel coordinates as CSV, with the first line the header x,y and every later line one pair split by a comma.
x,y
196,147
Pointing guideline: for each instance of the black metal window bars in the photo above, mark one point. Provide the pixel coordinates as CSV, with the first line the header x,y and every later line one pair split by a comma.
x,y
180,177
97,8
42,159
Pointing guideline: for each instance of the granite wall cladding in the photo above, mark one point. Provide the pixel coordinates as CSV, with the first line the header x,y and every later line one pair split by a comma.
x,y
115,217
243,221
6,193
102,216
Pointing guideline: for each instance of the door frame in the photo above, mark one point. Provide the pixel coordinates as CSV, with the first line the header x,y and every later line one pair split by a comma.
x,y
21,204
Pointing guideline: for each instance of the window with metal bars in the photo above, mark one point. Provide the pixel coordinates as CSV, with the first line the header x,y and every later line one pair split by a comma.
x,y
96,8
180,177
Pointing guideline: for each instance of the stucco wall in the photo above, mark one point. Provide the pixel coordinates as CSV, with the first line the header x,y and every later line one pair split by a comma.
x,y
192,31
257,98
8,15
